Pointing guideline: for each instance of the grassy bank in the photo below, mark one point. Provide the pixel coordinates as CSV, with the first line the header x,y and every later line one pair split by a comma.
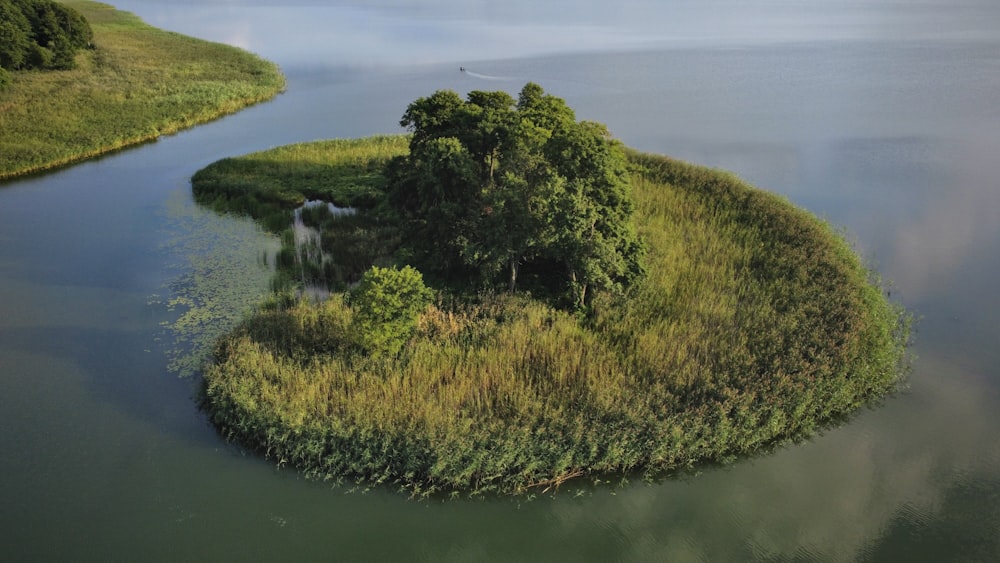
x,y
756,324
138,83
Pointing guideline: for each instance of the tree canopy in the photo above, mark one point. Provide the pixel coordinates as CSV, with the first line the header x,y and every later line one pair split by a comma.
x,y
496,190
40,34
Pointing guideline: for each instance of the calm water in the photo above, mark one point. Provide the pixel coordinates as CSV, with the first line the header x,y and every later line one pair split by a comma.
x,y
880,116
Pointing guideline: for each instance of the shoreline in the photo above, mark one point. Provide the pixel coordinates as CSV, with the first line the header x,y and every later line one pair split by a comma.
x,y
136,85
758,326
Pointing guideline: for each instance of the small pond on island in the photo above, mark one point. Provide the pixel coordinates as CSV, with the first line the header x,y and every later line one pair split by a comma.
x,y
880,116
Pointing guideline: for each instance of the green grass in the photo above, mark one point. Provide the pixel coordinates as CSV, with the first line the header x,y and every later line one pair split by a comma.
x,y
757,324
137,84
268,185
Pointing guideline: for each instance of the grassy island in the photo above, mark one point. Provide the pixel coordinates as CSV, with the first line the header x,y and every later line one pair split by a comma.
x,y
133,84
752,323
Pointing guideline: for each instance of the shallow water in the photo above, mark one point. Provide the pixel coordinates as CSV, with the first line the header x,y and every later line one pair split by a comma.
x,y
878,116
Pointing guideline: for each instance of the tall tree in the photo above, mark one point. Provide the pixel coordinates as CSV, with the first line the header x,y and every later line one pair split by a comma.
x,y
491,184
15,36
41,34
596,240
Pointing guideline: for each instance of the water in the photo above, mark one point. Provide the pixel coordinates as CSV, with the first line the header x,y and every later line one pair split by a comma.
x,y
880,116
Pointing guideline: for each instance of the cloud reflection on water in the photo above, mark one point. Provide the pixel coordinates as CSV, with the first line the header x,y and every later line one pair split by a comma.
x,y
832,499
434,31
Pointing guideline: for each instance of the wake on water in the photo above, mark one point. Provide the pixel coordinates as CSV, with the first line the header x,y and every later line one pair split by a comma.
x,y
495,78
484,76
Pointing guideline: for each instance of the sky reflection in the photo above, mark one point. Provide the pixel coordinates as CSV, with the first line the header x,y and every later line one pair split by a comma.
x,y
389,32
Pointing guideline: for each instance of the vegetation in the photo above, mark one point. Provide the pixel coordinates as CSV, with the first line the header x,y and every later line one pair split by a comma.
x,y
269,185
41,34
490,186
754,324
135,84
273,186
387,304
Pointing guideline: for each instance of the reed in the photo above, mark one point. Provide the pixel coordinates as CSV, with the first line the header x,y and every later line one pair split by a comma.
x,y
345,172
756,324
138,83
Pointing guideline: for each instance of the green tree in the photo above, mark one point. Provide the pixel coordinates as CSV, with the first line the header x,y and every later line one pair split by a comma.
x,y
434,189
41,34
387,303
596,241
15,36
491,185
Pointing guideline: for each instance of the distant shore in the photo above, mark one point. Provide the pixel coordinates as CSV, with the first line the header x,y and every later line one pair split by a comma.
x,y
136,84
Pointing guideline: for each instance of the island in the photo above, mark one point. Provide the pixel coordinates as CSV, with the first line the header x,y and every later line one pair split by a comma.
x,y
80,79
507,299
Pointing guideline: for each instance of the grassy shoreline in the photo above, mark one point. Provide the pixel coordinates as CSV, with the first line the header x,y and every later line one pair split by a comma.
x,y
757,324
137,84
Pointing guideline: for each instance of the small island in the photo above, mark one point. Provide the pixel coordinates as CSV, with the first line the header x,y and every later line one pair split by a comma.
x,y
508,298
79,79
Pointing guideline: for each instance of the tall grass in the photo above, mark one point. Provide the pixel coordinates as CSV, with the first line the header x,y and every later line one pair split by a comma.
x,y
756,324
267,185
138,83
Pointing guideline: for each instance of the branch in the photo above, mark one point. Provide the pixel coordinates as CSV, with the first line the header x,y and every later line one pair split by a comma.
x,y
556,481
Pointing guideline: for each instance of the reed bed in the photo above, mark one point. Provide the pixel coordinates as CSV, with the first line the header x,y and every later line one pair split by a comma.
x,y
756,324
267,185
138,83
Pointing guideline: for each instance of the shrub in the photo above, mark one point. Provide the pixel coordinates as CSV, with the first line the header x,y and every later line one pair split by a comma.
x,y
388,303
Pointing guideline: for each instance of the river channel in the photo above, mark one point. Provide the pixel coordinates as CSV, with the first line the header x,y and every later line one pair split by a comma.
x,y
881,117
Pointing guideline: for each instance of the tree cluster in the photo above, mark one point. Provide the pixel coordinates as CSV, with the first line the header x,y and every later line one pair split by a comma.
x,y
41,34
515,194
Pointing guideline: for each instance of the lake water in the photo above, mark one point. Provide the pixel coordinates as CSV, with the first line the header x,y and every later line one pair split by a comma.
x,y
881,116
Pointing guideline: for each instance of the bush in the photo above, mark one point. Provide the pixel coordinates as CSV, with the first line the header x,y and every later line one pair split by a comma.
x,y
4,78
388,302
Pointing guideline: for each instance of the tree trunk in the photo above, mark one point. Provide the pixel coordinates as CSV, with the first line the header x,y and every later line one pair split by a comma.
x,y
579,290
515,264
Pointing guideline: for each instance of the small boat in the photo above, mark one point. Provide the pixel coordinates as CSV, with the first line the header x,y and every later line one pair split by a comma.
x,y
461,69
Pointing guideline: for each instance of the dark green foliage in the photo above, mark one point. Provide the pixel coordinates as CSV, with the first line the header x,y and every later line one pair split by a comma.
x,y
492,185
41,34
16,39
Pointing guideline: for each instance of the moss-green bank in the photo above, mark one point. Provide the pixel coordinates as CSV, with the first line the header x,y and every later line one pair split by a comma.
x,y
757,324
138,83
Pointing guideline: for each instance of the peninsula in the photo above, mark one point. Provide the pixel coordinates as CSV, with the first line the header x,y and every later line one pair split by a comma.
x,y
113,82
516,300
